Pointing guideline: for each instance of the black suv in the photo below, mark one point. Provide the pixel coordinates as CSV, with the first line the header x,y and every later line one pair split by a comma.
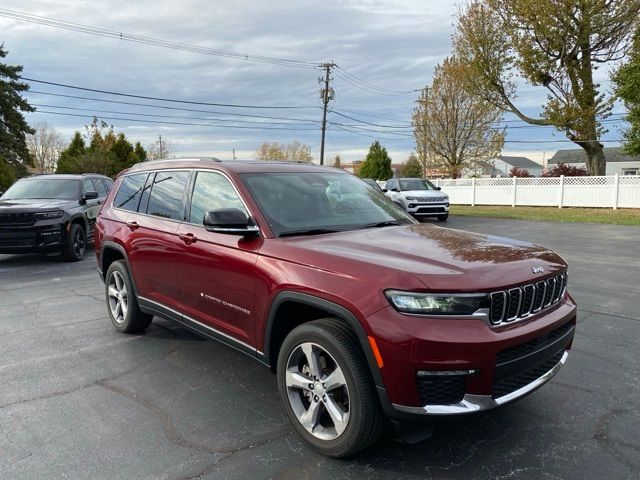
x,y
51,213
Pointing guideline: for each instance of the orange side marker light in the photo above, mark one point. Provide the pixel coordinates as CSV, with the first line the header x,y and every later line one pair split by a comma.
x,y
376,352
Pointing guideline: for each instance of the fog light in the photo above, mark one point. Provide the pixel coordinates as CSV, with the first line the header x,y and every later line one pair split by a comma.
x,y
448,373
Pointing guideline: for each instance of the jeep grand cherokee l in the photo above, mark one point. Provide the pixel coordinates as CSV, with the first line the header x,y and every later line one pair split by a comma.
x,y
359,310
51,213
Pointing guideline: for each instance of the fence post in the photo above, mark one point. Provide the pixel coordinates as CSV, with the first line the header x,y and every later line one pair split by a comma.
x,y
561,193
616,190
473,192
513,193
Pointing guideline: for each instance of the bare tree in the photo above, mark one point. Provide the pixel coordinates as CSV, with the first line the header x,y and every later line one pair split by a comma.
x,y
45,145
454,130
161,148
292,152
553,44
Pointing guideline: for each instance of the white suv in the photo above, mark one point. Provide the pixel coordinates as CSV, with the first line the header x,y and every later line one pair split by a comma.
x,y
419,197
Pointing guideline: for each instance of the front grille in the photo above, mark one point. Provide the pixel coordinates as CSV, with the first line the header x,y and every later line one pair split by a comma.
x,y
524,349
431,199
511,383
430,210
441,391
13,218
17,242
520,302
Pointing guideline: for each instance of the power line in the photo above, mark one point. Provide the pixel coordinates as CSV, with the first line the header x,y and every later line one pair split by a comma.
x,y
160,99
165,107
102,32
156,115
365,85
173,123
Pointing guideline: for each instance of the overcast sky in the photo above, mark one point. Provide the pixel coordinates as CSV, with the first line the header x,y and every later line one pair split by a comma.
x,y
394,45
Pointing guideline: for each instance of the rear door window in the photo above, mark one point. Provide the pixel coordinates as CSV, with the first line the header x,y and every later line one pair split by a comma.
x,y
128,196
166,199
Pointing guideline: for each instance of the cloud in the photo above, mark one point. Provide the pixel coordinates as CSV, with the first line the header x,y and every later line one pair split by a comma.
x,y
392,44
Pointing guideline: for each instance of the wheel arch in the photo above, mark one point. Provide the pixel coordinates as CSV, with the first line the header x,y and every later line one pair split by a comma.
x,y
110,252
276,330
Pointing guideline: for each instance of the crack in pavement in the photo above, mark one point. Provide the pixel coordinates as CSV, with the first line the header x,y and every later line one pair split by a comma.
x,y
172,434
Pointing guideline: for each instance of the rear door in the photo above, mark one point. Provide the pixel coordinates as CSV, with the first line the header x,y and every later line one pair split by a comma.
x,y
153,238
217,272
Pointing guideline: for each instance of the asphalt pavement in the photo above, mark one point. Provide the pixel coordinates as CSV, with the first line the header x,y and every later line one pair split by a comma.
x,y
79,400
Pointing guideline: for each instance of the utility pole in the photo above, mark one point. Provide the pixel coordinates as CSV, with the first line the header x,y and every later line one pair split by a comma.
x,y
234,153
326,94
160,147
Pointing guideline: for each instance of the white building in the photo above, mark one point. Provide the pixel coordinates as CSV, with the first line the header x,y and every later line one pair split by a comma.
x,y
617,160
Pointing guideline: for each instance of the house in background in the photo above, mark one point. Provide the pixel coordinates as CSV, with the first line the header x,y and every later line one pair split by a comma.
x,y
618,161
503,164
501,167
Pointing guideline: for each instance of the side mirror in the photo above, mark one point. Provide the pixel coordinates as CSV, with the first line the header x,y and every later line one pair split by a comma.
x,y
230,221
385,190
90,195
438,188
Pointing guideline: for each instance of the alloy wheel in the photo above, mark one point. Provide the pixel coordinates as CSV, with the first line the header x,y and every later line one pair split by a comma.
x,y
79,243
117,296
317,391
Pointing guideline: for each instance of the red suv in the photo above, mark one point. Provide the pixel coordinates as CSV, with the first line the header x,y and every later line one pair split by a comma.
x,y
360,311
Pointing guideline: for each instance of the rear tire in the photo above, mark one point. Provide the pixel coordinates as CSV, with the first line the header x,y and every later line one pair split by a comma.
x,y
76,245
340,415
122,305
443,218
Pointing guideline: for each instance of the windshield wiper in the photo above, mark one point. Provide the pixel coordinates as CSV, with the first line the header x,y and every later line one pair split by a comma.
x,y
312,231
388,223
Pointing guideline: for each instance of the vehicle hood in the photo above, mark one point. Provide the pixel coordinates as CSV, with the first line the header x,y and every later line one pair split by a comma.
x,y
440,258
30,205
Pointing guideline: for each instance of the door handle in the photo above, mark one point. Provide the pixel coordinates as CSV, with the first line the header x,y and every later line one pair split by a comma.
x,y
188,238
133,225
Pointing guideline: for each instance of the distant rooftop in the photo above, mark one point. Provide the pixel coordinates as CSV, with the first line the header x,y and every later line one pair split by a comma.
x,y
578,155
520,162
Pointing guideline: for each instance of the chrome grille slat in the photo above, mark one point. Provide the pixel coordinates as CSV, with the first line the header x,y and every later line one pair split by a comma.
x,y
525,300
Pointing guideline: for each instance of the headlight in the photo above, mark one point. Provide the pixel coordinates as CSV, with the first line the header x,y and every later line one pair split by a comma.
x,y
437,303
409,198
49,215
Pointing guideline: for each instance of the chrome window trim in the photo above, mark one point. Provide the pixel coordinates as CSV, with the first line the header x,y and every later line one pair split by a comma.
x,y
476,403
189,193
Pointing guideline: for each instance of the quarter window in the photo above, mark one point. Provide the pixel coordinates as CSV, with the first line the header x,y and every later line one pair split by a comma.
x,y
211,191
167,195
128,195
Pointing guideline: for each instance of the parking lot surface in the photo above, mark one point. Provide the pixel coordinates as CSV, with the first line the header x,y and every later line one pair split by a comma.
x,y
79,400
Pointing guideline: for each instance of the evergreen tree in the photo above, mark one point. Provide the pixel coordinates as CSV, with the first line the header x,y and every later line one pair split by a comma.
x,y
69,157
411,168
6,176
627,81
14,154
377,164
140,152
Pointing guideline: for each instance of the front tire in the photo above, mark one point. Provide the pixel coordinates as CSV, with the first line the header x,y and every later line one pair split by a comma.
x,y
76,245
326,388
122,305
443,218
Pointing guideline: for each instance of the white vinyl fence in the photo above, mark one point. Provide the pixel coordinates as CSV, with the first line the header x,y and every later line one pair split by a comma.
x,y
608,192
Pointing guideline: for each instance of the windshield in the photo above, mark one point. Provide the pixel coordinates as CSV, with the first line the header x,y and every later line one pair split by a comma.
x,y
317,202
48,188
416,184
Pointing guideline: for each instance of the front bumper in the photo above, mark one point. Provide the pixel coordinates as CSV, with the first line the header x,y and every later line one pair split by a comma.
x,y
41,237
419,209
489,366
